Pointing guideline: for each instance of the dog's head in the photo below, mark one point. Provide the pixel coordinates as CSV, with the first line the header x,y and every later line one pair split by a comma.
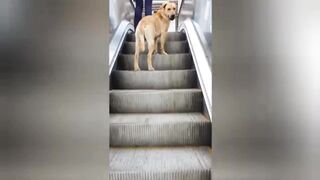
x,y
169,10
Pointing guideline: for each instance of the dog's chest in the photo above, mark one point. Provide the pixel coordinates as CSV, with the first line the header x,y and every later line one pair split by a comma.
x,y
160,27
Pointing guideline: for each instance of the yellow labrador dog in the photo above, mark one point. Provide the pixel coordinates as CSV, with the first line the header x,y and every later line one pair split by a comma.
x,y
152,28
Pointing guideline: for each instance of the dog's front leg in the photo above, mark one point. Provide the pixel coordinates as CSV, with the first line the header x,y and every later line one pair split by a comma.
x,y
163,39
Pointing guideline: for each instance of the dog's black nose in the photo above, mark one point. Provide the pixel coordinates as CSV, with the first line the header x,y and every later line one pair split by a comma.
x,y
172,17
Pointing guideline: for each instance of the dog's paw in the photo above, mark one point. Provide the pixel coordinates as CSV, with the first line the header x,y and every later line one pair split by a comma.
x,y
165,53
137,68
150,68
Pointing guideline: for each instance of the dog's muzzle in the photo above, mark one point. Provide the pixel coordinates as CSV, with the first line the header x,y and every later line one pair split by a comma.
x,y
172,17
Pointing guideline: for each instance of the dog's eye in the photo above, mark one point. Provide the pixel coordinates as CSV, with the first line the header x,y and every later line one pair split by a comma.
x,y
174,8
169,9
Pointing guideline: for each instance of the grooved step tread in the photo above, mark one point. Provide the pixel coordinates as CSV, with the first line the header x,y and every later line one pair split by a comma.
x,y
160,62
172,79
157,129
171,36
189,163
156,118
156,101
171,47
165,129
144,91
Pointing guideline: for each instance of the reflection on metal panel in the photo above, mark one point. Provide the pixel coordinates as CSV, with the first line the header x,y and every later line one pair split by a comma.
x,y
201,14
53,94
117,40
201,63
119,10
267,89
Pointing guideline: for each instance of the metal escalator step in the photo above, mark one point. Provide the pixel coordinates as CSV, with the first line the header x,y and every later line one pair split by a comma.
x,y
156,101
171,47
160,163
172,79
160,62
172,36
171,129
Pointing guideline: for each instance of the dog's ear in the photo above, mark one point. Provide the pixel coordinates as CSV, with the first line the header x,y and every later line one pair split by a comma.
x,y
163,6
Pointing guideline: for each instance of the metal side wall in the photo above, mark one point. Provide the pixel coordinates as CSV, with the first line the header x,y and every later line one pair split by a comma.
x,y
200,11
53,90
119,10
266,89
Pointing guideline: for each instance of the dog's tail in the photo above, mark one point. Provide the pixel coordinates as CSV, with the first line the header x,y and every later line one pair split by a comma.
x,y
140,41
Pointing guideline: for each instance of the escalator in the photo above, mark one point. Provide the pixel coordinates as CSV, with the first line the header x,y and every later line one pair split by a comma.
x,y
159,125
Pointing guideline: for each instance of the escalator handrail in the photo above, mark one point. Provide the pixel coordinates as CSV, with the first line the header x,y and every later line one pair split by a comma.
x,y
117,42
200,61
133,4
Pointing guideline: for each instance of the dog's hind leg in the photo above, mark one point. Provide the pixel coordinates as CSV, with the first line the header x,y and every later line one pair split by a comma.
x,y
139,46
150,36
141,41
136,60
155,46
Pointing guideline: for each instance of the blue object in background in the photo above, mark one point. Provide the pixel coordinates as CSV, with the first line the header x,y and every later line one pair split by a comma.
x,y
138,10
